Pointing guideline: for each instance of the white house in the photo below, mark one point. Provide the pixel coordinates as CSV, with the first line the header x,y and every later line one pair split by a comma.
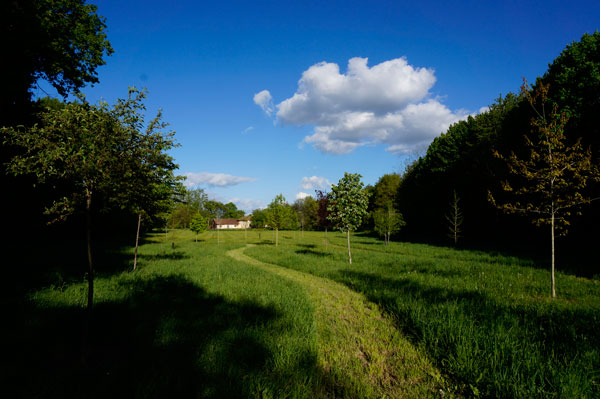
x,y
242,223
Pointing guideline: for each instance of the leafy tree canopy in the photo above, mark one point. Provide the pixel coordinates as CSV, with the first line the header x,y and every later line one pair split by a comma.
x,y
60,41
349,202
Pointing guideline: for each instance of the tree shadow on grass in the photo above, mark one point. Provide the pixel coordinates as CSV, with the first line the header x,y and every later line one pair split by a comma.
x,y
265,242
481,336
169,338
311,252
173,255
307,246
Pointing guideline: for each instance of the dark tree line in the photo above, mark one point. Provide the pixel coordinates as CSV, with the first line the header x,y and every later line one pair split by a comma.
x,y
462,160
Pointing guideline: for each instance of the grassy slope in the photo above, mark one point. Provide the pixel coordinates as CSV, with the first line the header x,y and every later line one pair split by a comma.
x,y
486,320
190,322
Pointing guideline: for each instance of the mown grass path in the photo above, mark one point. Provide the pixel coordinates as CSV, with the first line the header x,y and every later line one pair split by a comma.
x,y
359,350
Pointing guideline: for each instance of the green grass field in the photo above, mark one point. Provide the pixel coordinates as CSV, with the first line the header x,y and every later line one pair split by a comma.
x,y
219,318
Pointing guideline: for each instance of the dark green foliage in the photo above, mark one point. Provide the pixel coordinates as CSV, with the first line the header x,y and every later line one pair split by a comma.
x,y
231,211
215,209
385,191
280,216
306,211
259,218
60,41
462,159
459,159
574,86
96,152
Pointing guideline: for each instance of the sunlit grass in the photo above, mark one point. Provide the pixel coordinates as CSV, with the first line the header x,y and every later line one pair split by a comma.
x,y
486,320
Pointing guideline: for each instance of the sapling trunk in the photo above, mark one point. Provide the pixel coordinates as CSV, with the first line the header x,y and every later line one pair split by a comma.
x,y
349,253
88,225
137,241
552,272
90,277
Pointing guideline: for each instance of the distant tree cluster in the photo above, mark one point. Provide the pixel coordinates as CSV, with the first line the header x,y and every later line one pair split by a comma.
x,y
190,202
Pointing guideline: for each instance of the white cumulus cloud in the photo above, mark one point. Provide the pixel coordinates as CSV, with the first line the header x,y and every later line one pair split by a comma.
x,y
314,182
214,179
389,103
301,195
264,100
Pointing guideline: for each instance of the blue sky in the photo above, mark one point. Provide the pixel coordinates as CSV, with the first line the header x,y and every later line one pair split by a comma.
x,y
272,97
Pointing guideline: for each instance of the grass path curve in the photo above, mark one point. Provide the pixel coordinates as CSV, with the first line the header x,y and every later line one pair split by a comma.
x,y
360,351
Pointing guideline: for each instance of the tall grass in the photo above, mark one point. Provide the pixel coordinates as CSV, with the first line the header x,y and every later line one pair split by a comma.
x,y
190,322
486,320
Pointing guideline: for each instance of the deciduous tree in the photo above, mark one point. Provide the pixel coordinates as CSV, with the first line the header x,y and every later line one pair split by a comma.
x,y
552,177
387,221
279,215
198,225
87,149
348,204
60,41
144,169
323,220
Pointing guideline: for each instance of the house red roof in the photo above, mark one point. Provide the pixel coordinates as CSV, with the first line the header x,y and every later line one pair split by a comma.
x,y
226,221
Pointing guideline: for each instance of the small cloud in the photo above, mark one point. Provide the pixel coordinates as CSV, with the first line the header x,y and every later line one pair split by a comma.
x,y
484,109
247,204
314,182
248,129
264,100
214,179
301,195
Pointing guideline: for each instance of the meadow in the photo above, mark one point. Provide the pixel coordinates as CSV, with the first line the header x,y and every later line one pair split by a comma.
x,y
220,318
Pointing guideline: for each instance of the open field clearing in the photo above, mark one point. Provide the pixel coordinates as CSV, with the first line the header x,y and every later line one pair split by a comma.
x,y
487,321
233,316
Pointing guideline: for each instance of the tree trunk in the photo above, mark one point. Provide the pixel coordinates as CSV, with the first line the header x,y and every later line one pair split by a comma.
x,y
552,272
137,241
349,253
90,277
88,227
